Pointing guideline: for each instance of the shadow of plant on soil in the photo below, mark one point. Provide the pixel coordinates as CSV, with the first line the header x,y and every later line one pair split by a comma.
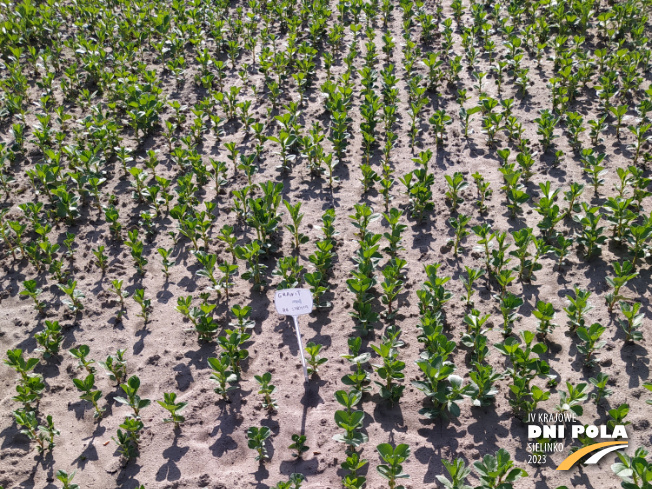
x,y
46,462
229,420
637,364
441,442
169,470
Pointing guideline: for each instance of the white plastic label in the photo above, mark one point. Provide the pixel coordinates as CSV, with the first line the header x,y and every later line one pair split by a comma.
x,y
293,302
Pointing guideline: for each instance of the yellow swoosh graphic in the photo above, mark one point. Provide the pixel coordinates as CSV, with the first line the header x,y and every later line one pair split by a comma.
x,y
571,459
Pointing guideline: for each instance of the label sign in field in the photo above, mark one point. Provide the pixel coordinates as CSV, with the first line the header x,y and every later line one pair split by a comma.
x,y
293,302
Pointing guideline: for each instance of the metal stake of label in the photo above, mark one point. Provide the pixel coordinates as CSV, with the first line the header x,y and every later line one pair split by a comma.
x,y
303,356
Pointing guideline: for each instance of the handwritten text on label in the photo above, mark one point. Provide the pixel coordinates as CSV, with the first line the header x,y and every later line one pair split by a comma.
x,y
293,302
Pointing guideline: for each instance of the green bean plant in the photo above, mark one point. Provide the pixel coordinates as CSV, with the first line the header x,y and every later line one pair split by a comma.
x,y
136,247
33,291
42,434
170,404
509,305
458,472
129,439
475,338
591,236
620,214
133,400
23,367
349,420
591,338
483,390
50,339
472,275
90,393
266,390
525,367
144,303
546,123
222,374
573,399
256,438
418,184
116,366
251,254
392,285
315,281
299,445
485,242
167,263
633,321
353,463
80,353
391,368
617,416
295,482
359,379
441,387
593,167
66,479
600,382
484,191
498,471
289,269
459,225
74,295
562,250
550,211
243,320
296,216
545,313
637,237
433,293
122,295
577,308
392,470
232,343
455,185
314,360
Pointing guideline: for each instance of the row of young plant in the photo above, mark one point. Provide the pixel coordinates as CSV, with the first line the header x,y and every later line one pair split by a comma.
x,y
226,367
441,386
197,225
89,174
443,389
40,428
226,371
628,227
278,66
493,471
290,271
362,283
432,297
433,363
204,325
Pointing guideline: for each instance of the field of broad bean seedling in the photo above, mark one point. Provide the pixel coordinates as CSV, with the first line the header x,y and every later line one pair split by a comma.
x,y
463,186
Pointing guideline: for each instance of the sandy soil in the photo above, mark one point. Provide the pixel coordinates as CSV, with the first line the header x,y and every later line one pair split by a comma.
x,y
210,450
